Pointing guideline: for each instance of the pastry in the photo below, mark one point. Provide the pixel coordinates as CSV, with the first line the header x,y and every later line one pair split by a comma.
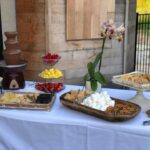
x,y
137,78
77,95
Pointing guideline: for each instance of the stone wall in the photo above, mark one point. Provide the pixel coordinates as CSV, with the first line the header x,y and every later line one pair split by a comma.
x,y
8,16
76,54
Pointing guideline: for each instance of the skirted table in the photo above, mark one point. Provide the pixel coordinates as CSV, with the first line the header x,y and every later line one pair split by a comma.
x,y
66,129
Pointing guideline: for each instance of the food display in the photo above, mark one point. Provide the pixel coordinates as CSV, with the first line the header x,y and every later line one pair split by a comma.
x,y
136,80
100,101
50,58
10,97
26,100
101,105
77,95
122,109
52,73
139,78
50,87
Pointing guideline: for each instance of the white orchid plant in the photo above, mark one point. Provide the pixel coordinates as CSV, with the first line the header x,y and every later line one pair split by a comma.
x,y
108,31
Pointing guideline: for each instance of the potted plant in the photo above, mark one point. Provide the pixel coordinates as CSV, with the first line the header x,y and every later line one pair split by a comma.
x,y
94,78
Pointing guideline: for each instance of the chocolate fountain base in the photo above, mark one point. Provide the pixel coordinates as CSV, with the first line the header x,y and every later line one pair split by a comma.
x,y
13,77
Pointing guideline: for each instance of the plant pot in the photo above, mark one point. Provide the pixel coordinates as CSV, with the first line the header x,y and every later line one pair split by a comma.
x,y
88,86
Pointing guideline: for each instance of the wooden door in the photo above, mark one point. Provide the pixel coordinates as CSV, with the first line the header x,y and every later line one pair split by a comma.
x,y
84,17
30,16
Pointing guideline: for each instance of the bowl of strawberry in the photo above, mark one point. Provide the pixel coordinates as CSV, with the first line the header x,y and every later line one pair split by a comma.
x,y
49,87
50,58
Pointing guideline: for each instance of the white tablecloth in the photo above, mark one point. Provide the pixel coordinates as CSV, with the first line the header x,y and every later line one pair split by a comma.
x,y
65,129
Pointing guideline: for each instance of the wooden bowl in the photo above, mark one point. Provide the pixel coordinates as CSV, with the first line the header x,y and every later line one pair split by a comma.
x,y
113,117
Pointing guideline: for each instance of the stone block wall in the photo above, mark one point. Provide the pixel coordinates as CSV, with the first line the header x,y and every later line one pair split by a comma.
x,y
8,16
76,54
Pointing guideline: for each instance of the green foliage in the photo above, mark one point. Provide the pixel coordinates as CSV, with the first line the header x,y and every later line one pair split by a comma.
x,y
97,59
93,75
91,69
94,85
100,78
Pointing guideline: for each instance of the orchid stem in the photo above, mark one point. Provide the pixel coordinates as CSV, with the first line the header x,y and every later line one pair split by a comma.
x,y
100,63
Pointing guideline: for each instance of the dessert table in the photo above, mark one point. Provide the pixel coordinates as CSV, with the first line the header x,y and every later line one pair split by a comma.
x,y
66,129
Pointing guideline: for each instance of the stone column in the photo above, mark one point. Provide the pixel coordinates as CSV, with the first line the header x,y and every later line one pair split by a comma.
x,y
8,16
129,44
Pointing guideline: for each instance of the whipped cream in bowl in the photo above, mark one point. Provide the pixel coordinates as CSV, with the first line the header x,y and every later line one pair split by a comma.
x,y
100,101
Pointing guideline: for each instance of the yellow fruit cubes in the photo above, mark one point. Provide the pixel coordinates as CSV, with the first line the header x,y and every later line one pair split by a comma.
x,y
51,73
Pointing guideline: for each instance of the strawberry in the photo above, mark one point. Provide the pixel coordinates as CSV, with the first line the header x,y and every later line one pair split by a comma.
x,y
51,87
51,58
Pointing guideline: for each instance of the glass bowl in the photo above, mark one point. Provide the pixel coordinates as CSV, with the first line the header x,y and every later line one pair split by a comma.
x,y
50,61
50,87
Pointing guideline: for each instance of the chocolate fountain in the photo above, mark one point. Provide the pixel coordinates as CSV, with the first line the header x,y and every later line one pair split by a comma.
x,y
12,65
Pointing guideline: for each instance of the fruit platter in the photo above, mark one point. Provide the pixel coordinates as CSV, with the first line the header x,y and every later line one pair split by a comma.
x,y
50,74
50,59
49,87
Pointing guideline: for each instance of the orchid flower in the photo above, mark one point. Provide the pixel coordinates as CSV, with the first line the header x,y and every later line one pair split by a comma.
x,y
110,31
